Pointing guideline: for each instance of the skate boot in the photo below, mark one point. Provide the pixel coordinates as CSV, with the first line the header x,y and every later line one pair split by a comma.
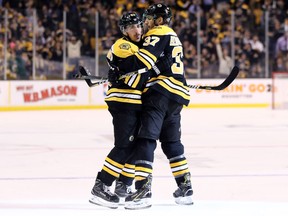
x,y
141,198
102,195
183,195
122,191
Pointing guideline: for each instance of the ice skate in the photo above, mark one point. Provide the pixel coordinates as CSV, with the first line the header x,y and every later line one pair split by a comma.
x,y
141,198
183,194
122,191
102,196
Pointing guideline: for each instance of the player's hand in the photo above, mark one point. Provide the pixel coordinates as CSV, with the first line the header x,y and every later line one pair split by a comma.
x,y
113,76
163,64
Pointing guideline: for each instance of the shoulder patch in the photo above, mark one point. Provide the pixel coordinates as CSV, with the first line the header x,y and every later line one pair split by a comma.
x,y
125,46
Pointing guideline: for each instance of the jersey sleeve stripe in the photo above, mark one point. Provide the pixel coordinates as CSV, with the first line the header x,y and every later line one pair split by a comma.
x,y
147,53
175,91
133,80
148,58
143,60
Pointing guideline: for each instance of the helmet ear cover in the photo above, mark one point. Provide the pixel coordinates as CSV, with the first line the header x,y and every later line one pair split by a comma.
x,y
127,19
158,10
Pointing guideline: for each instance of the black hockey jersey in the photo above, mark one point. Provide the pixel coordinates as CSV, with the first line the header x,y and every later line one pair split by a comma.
x,y
128,94
158,42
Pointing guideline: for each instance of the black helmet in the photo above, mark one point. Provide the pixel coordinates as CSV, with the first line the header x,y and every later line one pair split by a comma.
x,y
129,18
159,10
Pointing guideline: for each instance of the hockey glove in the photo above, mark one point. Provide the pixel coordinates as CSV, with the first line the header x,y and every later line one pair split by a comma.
x,y
113,76
163,64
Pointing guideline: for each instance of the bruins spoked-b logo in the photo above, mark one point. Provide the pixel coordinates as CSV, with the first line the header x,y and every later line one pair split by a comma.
x,y
125,46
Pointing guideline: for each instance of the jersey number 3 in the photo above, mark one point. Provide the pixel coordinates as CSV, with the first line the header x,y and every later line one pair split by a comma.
x,y
177,54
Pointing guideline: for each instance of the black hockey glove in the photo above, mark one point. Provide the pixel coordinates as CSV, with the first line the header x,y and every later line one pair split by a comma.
x,y
113,76
163,64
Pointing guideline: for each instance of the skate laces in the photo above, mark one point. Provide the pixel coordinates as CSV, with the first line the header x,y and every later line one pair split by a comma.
x,y
149,180
122,186
145,189
128,189
107,190
187,181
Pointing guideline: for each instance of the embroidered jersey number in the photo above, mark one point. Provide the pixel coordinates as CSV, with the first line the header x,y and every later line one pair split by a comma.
x,y
151,41
178,66
177,54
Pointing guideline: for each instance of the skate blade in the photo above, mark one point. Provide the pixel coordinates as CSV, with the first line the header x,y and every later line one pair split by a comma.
x,y
102,202
184,200
121,201
140,204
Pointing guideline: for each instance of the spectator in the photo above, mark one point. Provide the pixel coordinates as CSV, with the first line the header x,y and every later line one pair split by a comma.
x,y
279,65
86,49
57,52
257,48
282,46
74,53
190,59
74,48
244,65
225,61
108,40
215,19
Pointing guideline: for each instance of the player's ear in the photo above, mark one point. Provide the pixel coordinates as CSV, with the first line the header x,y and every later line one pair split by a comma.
x,y
125,33
159,21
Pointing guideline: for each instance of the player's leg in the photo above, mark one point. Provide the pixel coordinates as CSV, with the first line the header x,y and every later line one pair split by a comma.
x,y
124,184
124,137
141,198
174,151
153,113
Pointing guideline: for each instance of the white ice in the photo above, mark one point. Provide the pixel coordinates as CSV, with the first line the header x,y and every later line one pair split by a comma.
x,y
238,159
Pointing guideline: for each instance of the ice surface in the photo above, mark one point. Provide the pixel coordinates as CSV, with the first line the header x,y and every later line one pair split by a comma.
x,y
238,159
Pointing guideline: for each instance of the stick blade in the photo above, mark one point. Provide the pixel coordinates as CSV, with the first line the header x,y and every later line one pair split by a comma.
x,y
84,72
231,77
234,73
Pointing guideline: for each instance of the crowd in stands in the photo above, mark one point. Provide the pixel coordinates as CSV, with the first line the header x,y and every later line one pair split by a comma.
x,y
215,34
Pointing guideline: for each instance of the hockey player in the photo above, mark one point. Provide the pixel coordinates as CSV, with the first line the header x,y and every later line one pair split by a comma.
x,y
124,104
162,102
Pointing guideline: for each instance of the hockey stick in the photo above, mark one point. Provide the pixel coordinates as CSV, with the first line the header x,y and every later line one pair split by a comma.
x,y
84,73
89,76
231,77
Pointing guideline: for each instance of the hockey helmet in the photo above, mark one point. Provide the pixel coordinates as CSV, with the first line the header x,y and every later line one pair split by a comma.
x,y
158,10
129,18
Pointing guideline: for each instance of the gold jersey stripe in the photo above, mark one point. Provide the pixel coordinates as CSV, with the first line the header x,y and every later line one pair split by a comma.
x,y
176,164
130,175
124,91
180,172
177,92
144,169
111,172
124,100
161,31
150,55
131,166
114,163
144,61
